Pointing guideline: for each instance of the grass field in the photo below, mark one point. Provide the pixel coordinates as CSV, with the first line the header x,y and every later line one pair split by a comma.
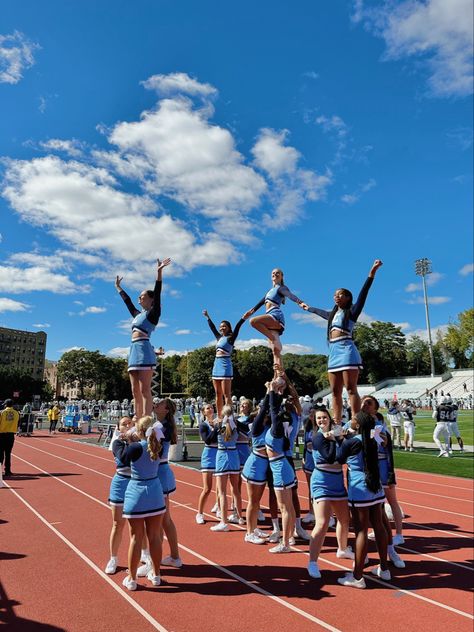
x,y
426,460
425,426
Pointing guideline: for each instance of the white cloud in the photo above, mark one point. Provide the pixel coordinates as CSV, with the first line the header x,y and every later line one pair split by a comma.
x,y
173,153
296,348
71,147
311,74
432,300
308,318
9,305
93,310
245,345
38,274
403,326
179,83
118,352
42,325
437,32
272,155
16,54
182,332
66,349
431,280
362,188
467,269
423,333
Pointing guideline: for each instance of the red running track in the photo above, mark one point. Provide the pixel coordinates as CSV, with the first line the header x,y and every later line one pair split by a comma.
x,y
55,525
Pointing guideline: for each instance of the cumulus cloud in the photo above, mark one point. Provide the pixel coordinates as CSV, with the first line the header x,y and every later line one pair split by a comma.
x,y
467,269
9,305
432,300
431,279
92,310
118,352
16,54
437,33
39,273
178,83
196,197
71,147
182,332
423,333
245,345
41,325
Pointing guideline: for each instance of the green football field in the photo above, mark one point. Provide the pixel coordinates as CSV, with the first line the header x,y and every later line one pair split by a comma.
x,y
425,426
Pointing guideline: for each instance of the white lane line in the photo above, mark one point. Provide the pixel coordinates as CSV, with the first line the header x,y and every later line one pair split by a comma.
x,y
452,513
433,557
90,563
417,491
254,587
56,456
414,480
243,529
424,526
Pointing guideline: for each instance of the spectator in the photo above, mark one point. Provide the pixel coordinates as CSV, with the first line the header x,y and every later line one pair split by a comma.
x,y
9,418
192,414
464,387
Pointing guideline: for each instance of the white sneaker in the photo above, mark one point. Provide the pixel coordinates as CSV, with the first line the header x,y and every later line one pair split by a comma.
x,y
300,532
280,548
129,583
111,567
261,516
291,541
274,537
215,508
396,559
233,518
371,535
200,519
220,527
332,522
378,572
144,569
308,518
261,534
398,539
172,561
345,554
412,449
443,453
144,557
154,579
218,514
253,538
350,580
313,570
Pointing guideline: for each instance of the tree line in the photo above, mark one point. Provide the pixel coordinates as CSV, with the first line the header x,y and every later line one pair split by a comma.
x,y
385,349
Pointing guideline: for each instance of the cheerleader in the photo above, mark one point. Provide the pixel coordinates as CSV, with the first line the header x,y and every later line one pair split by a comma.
x,y
344,358
272,324
208,458
144,503
327,491
227,466
276,442
165,410
243,437
222,371
141,358
118,485
370,405
255,471
308,462
366,496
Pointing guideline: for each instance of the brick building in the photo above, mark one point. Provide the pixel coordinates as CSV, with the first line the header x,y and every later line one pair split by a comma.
x,y
23,351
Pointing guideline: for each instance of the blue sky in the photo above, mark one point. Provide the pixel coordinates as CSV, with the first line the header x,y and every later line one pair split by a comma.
x,y
232,138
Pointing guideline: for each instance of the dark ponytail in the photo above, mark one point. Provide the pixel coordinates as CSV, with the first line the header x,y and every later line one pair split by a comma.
x,y
369,451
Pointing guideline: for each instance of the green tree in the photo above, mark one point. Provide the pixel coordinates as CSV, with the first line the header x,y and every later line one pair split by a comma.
x,y
13,380
383,350
458,341
418,357
252,369
172,378
81,366
195,370
307,372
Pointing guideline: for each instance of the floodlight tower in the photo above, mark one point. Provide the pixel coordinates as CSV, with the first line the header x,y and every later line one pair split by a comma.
x,y
422,268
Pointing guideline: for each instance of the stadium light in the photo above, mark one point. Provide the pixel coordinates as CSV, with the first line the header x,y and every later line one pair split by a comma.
x,y
422,268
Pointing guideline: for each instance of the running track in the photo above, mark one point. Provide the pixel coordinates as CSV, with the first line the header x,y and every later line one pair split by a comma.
x,y
55,524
